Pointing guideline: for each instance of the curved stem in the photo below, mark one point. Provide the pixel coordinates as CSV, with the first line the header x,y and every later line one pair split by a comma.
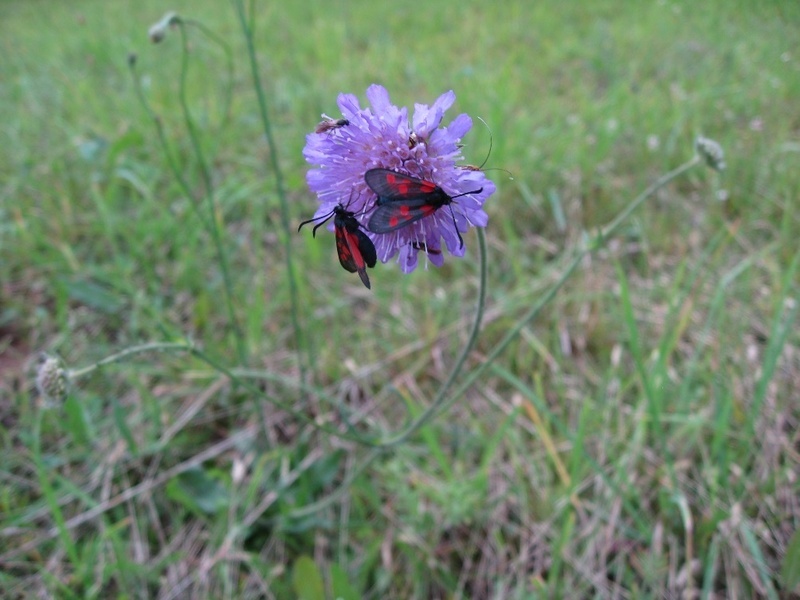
x,y
238,376
605,232
226,111
441,400
120,356
214,228
162,138
439,403
246,23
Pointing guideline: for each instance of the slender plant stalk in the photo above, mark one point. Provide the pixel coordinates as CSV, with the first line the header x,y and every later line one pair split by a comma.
x,y
441,397
162,139
427,414
247,24
442,402
239,377
216,234
128,352
600,241
226,49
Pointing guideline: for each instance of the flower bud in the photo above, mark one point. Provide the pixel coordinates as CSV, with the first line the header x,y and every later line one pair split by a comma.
x,y
711,152
158,31
51,378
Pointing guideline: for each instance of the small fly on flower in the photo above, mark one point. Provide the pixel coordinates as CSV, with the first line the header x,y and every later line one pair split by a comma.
x,y
328,124
356,251
403,200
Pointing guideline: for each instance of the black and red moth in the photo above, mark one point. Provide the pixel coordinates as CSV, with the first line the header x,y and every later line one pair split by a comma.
x,y
403,200
356,251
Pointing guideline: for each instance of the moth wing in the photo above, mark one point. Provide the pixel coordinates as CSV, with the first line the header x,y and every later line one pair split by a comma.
x,y
392,185
356,251
397,214
344,248
367,248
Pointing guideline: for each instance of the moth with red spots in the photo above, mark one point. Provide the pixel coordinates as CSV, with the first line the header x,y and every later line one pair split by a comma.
x,y
356,251
403,200
327,124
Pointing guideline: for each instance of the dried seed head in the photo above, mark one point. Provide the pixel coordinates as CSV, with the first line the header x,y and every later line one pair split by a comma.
x,y
711,152
51,378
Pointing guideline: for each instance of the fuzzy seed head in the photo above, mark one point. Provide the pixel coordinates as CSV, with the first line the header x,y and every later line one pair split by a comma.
x,y
51,378
711,152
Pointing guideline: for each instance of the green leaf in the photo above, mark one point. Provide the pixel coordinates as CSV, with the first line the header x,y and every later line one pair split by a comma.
x,y
76,422
94,295
199,491
307,580
790,569
342,589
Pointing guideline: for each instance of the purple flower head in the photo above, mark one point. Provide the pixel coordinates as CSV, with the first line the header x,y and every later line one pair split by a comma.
x,y
382,137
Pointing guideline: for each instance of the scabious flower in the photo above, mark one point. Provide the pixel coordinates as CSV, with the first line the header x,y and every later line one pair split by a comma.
x,y
382,137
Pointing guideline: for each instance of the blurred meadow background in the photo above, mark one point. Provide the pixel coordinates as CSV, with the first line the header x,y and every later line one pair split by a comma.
x,y
637,439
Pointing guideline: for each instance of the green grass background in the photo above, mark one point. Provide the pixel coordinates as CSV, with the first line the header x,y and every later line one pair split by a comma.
x,y
639,439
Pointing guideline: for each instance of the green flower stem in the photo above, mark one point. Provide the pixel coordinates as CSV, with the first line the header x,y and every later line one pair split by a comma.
x,y
216,234
602,237
246,23
228,101
438,404
239,376
441,403
127,353
162,138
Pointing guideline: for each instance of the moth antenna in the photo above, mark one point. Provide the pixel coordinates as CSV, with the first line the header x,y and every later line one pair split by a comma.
x,y
455,226
488,154
314,220
491,142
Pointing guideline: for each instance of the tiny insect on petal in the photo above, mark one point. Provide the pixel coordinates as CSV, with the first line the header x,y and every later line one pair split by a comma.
x,y
328,124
